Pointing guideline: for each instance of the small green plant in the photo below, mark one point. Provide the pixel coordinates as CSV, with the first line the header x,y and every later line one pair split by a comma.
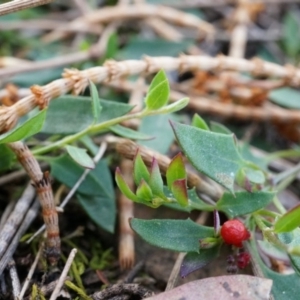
x,y
249,188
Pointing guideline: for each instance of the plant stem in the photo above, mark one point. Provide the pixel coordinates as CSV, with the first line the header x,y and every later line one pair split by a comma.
x,y
93,129
285,174
269,234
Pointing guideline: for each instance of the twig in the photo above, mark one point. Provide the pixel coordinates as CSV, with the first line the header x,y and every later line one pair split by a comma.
x,y
44,190
77,81
15,219
126,235
15,281
97,157
17,5
136,269
264,113
60,26
64,274
28,218
110,13
31,271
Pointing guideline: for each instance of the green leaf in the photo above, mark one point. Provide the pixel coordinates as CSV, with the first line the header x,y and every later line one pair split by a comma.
x,y
6,157
155,181
176,235
122,185
286,97
140,171
219,128
246,153
291,34
81,157
289,221
96,107
175,170
175,106
144,192
195,261
158,93
101,208
198,122
70,114
211,153
243,202
179,191
284,286
129,133
255,176
67,171
25,130
292,239
159,127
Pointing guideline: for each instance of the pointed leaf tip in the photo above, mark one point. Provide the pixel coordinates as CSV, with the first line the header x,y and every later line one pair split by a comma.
x,y
140,170
122,185
155,180
175,170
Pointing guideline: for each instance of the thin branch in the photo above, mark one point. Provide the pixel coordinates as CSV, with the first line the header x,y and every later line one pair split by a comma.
x,y
17,5
64,274
77,81
28,218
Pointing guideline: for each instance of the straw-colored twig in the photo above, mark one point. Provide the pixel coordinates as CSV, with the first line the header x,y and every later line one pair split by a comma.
x,y
77,81
61,26
110,13
15,281
28,218
126,235
17,5
64,274
268,112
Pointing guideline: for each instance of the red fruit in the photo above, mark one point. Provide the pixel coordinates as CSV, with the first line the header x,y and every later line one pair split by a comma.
x,y
243,260
234,233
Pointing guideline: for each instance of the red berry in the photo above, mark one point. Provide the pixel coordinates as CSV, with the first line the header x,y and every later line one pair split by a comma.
x,y
234,233
243,260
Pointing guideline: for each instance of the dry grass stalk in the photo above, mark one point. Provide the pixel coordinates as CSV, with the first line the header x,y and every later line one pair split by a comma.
x,y
64,274
126,235
44,190
238,39
42,24
126,206
110,13
15,218
264,113
129,148
77,81
17,5
15,281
